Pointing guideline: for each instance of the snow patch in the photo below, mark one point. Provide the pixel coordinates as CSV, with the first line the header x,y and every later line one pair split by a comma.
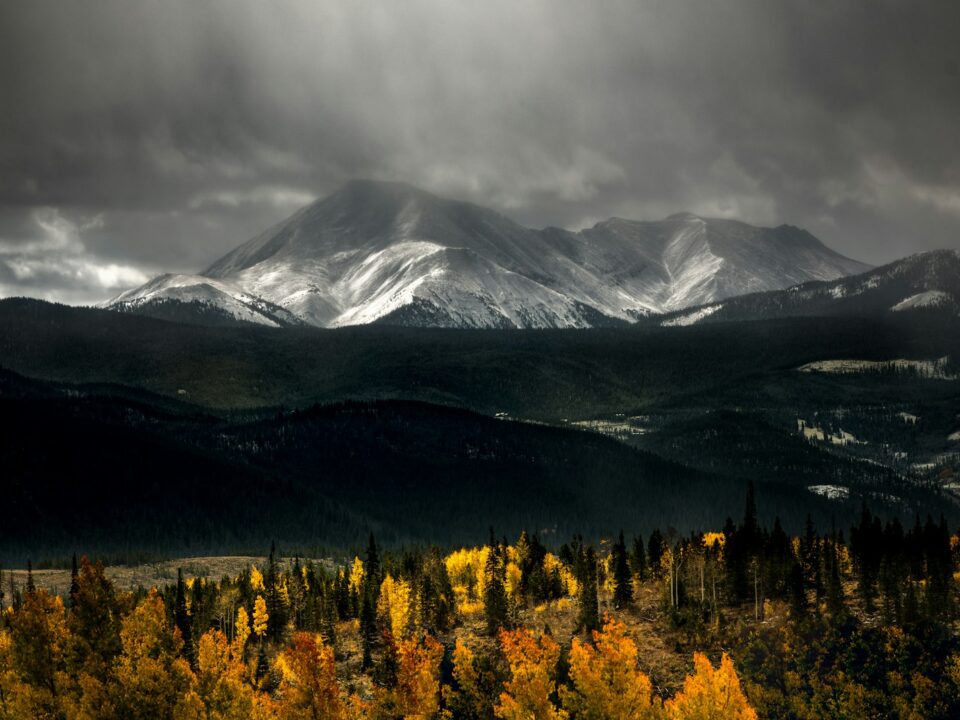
x,y
930,298
831,492
692,317
929,369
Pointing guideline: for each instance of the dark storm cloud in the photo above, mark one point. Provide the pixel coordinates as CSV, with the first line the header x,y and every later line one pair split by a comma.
x,y
139,136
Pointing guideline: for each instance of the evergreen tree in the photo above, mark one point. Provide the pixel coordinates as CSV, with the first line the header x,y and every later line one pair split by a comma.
x,y
181,618
495,606
810,556
798,594
622,580
373,570
638,558
834,584
74,578
588,619
276,604
655,549
328,619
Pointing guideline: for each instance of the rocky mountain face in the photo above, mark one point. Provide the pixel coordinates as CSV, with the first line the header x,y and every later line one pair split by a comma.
x,y
927,282
391,253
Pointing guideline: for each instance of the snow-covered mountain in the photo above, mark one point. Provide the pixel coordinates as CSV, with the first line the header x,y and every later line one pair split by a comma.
x,y
200,299
391,253
927,282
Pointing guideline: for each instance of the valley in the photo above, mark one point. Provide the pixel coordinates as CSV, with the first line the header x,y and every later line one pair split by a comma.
x,y
409,431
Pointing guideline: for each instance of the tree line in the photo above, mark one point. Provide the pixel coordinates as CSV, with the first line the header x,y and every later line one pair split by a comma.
x,y
818,625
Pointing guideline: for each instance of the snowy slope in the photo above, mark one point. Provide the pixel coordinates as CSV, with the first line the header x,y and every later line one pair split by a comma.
x,y
927,283
388,252
194,297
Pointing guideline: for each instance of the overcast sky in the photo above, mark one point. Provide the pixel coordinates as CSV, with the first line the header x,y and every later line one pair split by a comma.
x,y
137,137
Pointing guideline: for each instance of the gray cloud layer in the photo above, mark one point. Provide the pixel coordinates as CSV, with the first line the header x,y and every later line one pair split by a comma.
x,y
158,135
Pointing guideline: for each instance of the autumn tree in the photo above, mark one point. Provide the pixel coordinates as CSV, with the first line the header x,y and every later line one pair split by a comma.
x,y
309,687
241,631
94,621
418,678
220,690
261,618
395,606
38,643
181,616
606,682
533,664
474,690
277,598
710,694
150,675
495,603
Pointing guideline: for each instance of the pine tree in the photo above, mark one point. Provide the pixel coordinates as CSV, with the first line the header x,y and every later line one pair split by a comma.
x,y
588,619
276,603
328,621
655,550
622,581
810,556
181,618
373,571
638,558
834,585
74,576
798,594
495,605
368,626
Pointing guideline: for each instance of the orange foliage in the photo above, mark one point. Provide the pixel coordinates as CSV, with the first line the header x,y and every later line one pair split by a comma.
x,y
710,694
418,678
533,665
606,682
309,688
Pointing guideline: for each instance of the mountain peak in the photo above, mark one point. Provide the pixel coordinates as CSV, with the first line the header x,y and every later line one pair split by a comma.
x,y
375,247
683,216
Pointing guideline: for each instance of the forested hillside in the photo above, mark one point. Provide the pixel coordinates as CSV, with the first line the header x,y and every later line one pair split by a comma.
x,y
741,623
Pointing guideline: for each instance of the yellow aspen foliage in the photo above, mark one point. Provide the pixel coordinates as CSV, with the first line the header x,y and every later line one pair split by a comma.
x,y
395,606
533,665
710,694
151,677
606,682
844,560
256,579
242,628
465,567
220,689
356,575
513,578
260,616
609,577
309,687
666,562
39,639
14,702
551,564
418,678
714,538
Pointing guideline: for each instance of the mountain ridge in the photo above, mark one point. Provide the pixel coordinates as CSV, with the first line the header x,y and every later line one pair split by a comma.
x,y
372,248
923,282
